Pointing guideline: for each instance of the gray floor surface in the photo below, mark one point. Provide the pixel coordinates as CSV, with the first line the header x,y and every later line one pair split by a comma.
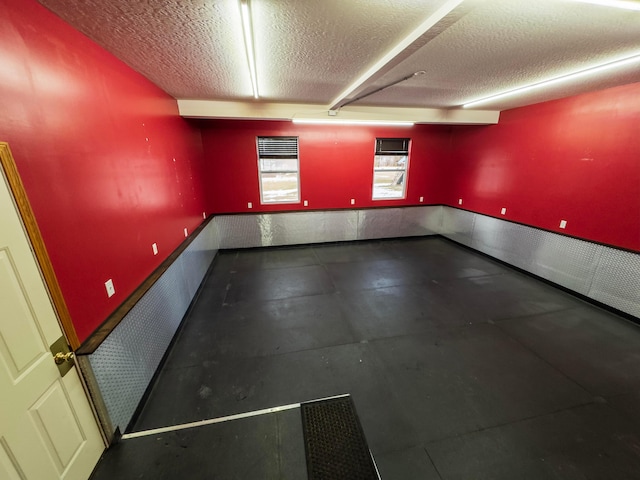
x,y
459,367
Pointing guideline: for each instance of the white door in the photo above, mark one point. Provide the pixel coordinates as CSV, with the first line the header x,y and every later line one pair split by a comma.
x,y
47,427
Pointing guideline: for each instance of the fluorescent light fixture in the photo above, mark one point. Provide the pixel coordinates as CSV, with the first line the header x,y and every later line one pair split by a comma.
x,y
248,44
389,123
626,4
556,80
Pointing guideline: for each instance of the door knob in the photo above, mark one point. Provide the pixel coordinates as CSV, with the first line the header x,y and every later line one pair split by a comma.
x,y
62,355
61,358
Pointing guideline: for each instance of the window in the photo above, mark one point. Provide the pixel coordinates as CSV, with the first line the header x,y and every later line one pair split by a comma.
x,y
390,168
278,169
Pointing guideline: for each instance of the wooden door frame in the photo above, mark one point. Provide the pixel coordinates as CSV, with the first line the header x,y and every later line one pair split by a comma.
x,y
37,243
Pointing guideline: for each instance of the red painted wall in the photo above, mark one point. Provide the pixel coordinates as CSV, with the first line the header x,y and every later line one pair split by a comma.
x,y
336,164
108,164
110,167
575,159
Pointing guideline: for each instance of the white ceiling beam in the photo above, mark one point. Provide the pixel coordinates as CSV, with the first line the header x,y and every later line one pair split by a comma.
x,y
288,111
448,14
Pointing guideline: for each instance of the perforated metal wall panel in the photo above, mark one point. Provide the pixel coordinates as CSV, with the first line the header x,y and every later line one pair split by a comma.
x,y
457,225
617,280
566,261
605,274
197,258
84,364
380,223
313,227
298,228
433,220
421,221
120,370
239,231
398,222
124,364
295,228
506,241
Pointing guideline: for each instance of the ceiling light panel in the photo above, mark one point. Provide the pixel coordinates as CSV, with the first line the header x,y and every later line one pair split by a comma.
x,y
247,30
632,62
312,50
189,49
506,43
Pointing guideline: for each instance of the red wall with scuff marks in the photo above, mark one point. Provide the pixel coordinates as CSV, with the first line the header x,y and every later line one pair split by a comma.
x,y
108,165
336,164
575,159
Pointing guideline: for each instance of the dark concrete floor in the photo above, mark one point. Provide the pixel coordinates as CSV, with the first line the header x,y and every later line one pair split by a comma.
x,y
459,367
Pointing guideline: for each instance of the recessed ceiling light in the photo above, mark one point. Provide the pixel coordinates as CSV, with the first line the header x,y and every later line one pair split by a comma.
x,y
556,80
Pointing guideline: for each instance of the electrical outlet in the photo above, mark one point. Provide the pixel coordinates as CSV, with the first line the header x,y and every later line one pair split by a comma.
x,y
563,224
503,211
306,203
111,290
204,215
249,205
154,247
353,201
421,199
186,232
459,201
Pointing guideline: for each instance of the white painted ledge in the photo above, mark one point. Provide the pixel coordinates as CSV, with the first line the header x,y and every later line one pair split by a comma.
x,y
288,111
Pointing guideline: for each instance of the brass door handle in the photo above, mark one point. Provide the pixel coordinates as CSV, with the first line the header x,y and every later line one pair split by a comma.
x,y
62,355
61,358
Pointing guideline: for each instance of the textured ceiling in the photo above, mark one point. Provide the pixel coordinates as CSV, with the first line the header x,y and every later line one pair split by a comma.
x,y
312,51
505,44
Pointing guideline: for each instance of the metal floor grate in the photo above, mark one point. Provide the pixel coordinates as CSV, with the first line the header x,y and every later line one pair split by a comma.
x,y
335,445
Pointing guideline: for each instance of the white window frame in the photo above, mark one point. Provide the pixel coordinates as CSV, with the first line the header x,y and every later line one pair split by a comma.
x,y
380,150
286,151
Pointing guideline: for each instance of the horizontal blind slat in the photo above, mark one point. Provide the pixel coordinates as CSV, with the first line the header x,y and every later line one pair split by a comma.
x,y
392,146
277,146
